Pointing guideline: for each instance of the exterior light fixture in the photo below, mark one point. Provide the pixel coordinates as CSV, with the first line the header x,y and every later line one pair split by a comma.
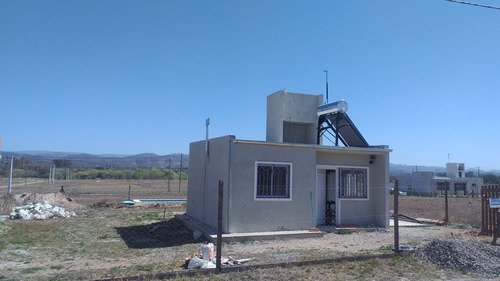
x,y
372,159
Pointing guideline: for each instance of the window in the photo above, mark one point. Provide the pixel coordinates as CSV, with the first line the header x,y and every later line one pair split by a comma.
x,y
353,183
441,185
273,180
460,186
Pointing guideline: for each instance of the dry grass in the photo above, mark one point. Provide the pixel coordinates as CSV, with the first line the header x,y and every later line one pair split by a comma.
x,y
105,242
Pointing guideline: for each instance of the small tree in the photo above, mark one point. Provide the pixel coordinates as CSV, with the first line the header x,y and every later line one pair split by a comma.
x,y
63,163
490,179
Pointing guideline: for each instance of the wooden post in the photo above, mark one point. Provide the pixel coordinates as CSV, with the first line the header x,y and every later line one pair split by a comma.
x,y
218,263
446,185
484,212
396,218
497,230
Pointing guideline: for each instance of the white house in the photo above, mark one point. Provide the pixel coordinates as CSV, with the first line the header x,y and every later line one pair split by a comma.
x,y
292,181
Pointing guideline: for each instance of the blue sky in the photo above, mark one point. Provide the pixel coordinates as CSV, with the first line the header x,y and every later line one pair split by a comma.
x,y
127,77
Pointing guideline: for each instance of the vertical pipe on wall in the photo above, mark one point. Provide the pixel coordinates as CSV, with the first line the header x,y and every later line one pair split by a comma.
x,y
229,182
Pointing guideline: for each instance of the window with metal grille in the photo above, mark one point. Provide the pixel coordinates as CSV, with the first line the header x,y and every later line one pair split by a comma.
x,y
273,180
460,186
353,183
440,185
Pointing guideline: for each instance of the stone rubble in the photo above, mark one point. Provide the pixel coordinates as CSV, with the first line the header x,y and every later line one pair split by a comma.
x,y
463,254
39,211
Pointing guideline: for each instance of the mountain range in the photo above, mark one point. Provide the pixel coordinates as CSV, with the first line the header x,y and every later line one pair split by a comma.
x,y
85,160
150,160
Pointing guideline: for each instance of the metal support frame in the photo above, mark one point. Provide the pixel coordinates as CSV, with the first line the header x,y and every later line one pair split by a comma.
x,y
329,125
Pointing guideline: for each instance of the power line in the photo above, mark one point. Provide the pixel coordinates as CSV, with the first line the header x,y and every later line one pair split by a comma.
x,y
474,4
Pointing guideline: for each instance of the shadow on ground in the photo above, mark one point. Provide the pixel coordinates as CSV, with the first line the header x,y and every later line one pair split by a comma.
x,y
157,235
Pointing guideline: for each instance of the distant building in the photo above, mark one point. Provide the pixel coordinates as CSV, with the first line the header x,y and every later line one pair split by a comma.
x,y
429,182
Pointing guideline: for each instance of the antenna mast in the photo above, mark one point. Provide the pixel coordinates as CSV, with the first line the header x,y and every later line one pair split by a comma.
x,y
326,71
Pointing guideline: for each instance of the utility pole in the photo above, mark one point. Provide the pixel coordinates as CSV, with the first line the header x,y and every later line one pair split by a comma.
x,y
396,218
207,124
168,177
10,174
326,71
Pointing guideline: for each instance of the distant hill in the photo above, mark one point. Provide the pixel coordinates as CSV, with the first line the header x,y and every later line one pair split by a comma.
x,y
397,169
84,160
150,160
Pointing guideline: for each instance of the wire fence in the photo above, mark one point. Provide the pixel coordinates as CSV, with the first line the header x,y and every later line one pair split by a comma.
x,y
142,229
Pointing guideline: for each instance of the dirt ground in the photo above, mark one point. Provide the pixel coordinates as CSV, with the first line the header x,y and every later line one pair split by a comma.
x,y
105,241
88,192
461,210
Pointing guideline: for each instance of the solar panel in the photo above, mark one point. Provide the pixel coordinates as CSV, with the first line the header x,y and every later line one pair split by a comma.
x,y
343,128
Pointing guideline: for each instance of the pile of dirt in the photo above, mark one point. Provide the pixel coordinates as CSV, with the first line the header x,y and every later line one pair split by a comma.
x,y
105,203
9,201
55,199
464,254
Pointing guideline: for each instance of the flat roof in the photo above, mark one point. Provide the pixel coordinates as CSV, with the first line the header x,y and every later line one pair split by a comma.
x,y
379,149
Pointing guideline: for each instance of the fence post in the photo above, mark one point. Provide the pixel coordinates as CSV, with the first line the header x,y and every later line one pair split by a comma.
x,y
497,229
10,174
180,175
446,218
484,212
396,218
218,264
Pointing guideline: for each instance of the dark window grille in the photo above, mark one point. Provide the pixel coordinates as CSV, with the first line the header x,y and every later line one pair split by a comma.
x,y
353,183
273,181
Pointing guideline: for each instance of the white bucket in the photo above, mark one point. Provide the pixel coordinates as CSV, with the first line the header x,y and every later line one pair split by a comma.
x,y
207,251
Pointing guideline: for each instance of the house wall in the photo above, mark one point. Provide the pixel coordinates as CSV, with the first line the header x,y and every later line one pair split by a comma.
x,y
455,170
373,211
473,186
405,180
250,215
233,161
421,182
204,175
292,117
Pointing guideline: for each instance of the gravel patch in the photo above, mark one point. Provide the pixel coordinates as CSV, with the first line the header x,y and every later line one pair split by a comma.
x,y
467,255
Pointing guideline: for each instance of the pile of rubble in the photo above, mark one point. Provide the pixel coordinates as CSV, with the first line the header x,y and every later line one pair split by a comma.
x,y
39,211
468,255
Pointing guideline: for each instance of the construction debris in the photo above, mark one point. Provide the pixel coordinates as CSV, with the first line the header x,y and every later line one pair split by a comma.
x,y
39,211
196,262
205,258
467,255
424,220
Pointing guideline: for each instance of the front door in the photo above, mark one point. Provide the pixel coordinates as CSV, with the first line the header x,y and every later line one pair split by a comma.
x,y
330,214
